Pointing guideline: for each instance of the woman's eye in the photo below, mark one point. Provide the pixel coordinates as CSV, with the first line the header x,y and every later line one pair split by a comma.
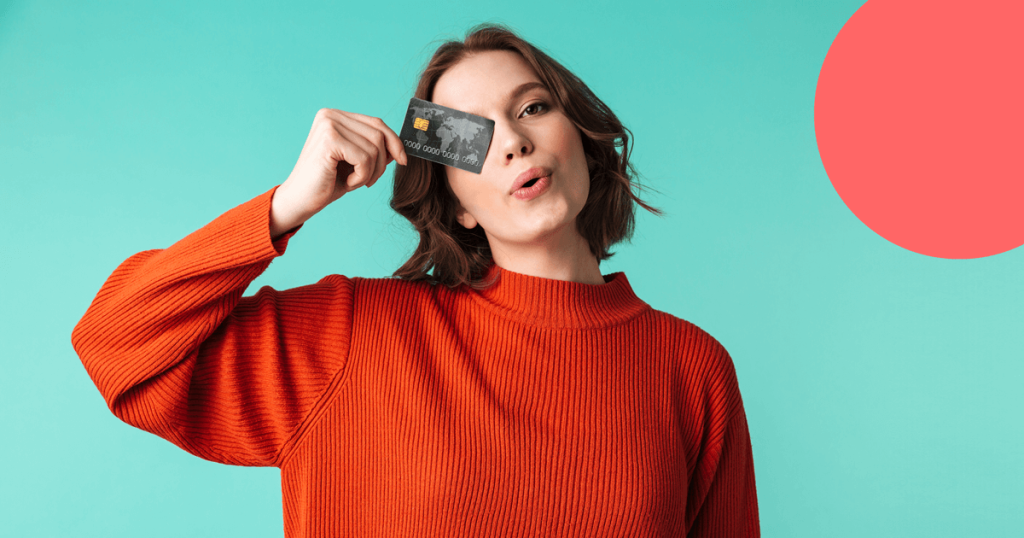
x,y
535,105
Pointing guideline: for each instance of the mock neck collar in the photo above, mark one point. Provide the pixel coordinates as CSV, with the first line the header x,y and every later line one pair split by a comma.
x,y
559,304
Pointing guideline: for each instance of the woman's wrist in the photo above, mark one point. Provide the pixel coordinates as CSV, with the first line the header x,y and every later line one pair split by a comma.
x,y
283,216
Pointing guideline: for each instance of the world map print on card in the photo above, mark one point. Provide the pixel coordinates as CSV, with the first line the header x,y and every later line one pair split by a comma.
x,y
445,135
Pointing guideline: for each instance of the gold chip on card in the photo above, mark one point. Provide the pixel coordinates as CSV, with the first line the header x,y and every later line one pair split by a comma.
x,y
420,124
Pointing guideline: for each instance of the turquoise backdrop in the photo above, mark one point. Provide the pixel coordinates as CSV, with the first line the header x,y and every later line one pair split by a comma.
x,y
882,387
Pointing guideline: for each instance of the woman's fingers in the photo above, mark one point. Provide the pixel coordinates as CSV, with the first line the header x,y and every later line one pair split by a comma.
x,y
376,135
394,144
361,154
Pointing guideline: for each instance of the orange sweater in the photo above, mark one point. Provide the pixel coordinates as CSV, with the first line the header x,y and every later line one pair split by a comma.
x,y
538,407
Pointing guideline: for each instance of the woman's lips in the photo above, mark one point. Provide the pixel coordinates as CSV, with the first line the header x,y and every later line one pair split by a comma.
x,y
533,173
528,193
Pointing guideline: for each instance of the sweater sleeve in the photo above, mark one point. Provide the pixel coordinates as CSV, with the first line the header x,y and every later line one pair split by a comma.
x,y
176,350
722,499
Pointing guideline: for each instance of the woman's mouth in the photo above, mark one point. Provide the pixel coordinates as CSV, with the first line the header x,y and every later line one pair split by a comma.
x,y
533,188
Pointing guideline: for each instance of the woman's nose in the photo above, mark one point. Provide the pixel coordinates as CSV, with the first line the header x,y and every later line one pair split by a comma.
x,y
514,143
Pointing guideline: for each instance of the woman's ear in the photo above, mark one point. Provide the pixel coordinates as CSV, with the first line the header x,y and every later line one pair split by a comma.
x,y
464,217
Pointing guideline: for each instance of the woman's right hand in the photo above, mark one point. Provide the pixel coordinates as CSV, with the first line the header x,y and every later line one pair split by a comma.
x,y
344,151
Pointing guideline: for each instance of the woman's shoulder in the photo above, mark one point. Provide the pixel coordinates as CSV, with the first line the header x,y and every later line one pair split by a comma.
x,y
391,284
690,340
677,324
398,292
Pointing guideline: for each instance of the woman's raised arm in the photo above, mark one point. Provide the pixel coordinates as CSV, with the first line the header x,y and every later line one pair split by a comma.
x,y
176,350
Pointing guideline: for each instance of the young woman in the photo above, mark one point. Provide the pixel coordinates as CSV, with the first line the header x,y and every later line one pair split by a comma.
x,y
515,391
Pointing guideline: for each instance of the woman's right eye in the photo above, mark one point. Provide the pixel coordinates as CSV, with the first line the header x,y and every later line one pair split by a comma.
x,y
537,104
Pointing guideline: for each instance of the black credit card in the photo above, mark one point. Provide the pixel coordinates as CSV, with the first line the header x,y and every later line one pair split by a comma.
x,y
445,135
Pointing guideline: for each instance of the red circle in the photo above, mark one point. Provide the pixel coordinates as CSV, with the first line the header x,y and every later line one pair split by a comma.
x,y
920,124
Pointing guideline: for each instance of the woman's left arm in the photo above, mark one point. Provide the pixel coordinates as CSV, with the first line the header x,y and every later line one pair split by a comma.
x,y
722,499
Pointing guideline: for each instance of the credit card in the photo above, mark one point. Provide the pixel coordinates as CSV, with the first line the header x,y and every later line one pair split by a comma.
x,y
445,135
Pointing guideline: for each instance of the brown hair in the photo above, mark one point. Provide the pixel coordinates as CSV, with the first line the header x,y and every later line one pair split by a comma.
x,y
422,195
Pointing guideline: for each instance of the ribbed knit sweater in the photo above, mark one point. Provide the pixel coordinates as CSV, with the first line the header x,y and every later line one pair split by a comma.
x,y
537,407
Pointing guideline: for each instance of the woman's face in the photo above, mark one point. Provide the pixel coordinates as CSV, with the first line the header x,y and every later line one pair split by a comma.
x,y
528,132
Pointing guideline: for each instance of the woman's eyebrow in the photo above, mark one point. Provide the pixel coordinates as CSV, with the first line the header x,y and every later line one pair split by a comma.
x,y
514,94
523,88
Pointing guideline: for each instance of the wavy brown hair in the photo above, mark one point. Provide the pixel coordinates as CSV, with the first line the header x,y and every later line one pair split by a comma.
x,y
421,192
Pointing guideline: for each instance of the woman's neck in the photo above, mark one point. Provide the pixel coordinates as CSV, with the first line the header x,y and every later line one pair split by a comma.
x,y
564,256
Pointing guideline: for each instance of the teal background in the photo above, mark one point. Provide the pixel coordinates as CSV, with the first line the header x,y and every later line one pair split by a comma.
x,y
882,387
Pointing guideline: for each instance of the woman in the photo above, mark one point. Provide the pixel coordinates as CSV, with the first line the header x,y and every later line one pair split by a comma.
x,y
515,391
